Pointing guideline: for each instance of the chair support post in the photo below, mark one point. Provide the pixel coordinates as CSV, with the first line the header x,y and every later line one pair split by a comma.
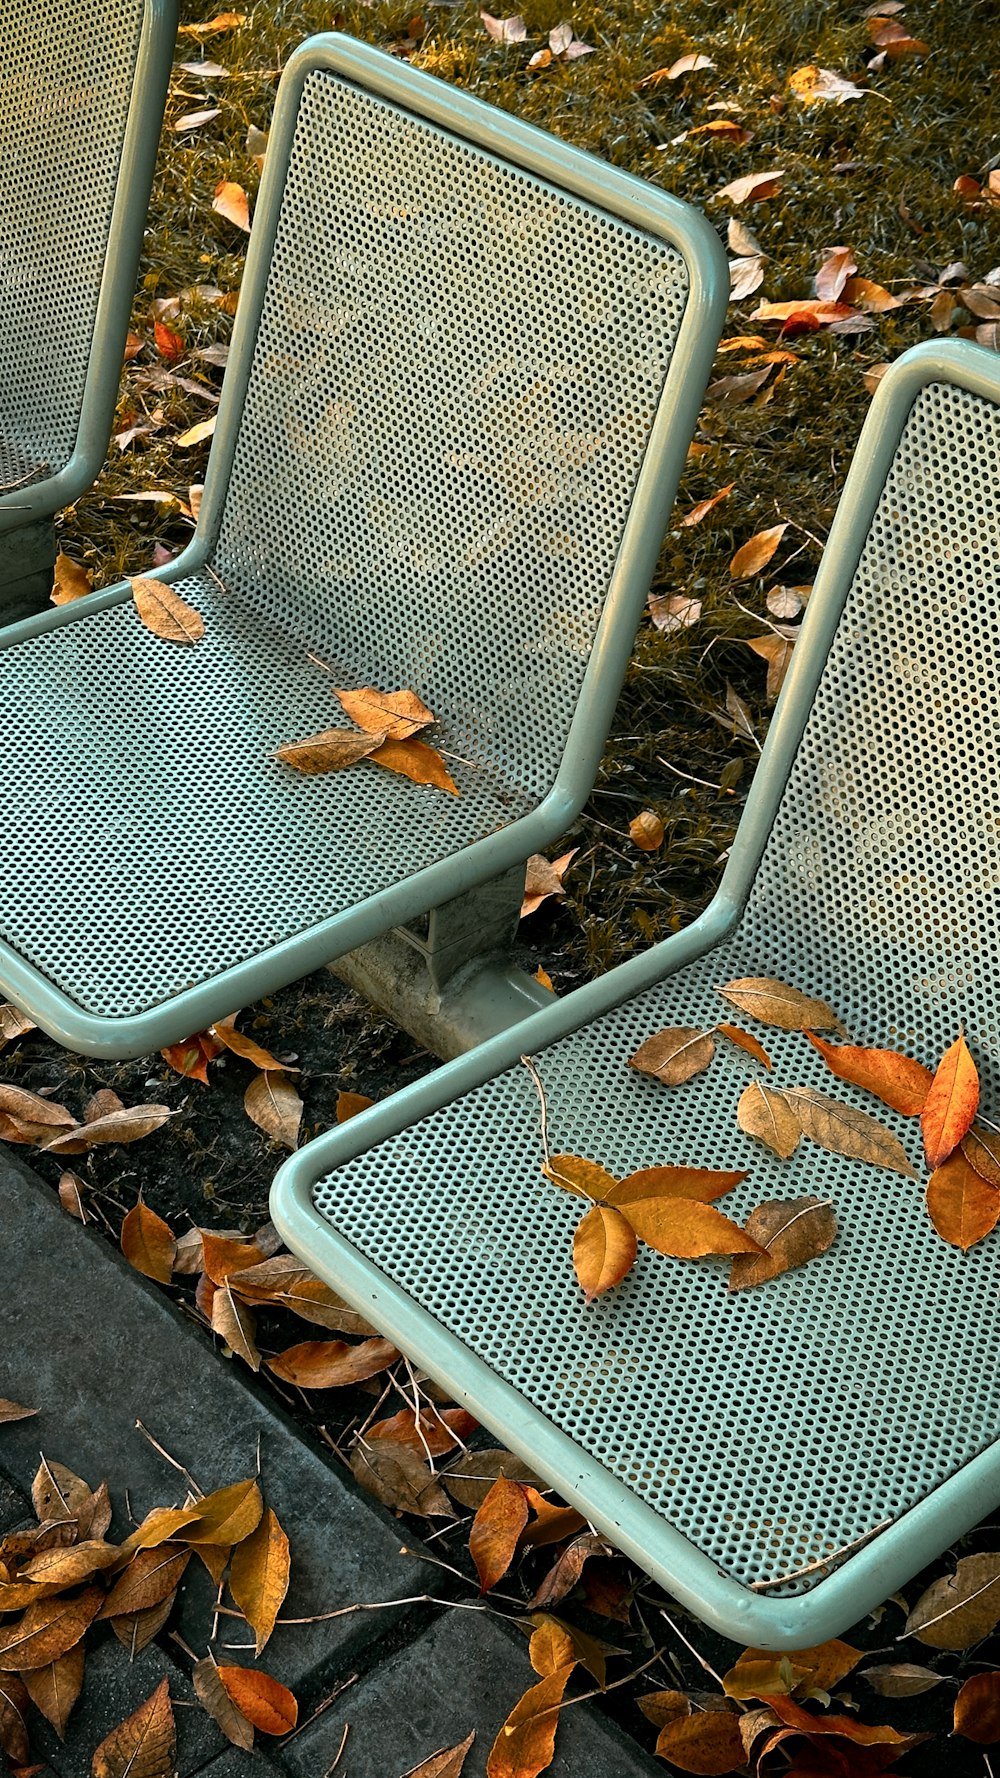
x,y
27,564
449,982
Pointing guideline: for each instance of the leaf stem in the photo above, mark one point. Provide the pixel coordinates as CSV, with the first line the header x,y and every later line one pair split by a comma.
x,y
544,1121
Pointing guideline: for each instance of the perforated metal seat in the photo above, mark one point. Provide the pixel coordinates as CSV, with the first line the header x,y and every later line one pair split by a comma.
x,y
467,364
730,1442
81,98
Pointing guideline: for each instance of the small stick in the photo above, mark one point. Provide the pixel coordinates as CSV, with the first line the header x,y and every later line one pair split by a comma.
x,y
689,775
611,1686
690,1646
321,1708
175,1636
760,1586
220,583
376,1605
22,481
186,1473
536,1077
343,1742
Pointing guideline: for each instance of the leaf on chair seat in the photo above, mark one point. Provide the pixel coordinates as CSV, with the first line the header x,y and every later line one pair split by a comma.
x,y
675,1055
682,1228
396,715
981,1148
789,1233
951,1103
842,1130
585,1179
329,750
766,1114
702,1184
775,1003
604,1248
745,1041
415,760
164,613
963,1207
897,1080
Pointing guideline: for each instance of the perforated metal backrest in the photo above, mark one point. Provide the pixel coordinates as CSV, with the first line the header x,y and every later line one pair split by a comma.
x,y
66,73
453,382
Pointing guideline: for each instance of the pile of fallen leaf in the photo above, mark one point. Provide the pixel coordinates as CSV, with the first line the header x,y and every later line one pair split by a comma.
x,y
62,1576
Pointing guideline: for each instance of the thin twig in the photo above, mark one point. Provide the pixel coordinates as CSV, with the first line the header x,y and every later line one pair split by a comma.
x,y
600,1690
220,583
377,1605
321,1708
536,1077
689,775
691,1647
23,480
175,1636
343,1742
760,1586
186,1473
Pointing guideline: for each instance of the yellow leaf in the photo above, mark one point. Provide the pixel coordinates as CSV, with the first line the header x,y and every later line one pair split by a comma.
x,y
753,557
196,434
646,831
231,201
763,1113
164,613
496,1528
272,1103
71,581
395,715
148,1243
417,761
258,1578
526,1742
143,1745
604,1248
585,1179
683,1228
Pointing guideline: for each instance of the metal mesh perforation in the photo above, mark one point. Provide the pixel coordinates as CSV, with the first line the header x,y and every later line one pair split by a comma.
x,y
774,1427
65,79
453,382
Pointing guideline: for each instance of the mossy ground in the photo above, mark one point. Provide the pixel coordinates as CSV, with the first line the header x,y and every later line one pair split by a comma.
x,y
875,173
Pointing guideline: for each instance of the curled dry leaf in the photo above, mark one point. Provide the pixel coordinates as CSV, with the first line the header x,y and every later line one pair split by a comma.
x,y
330,1364
70,581
901,1679
775,1003
860,1733
604,1249
148,1243
646,831
496,1530
142,1746
283,1282
272,1103
752,188
833,274
236,1324
745,1041
673,611
707,1741
129,1124
526,1742
191,1058
703,1184
471,1476
330,750
789,1233
512,30
766,1114
753,556
674,1055
552,1522
399,1479
231,201
977,1709
544,877
760,1674
213,1696
585,1179
960,1608
698,512
226,1034
164,613
417,761
227,1516
27,1117
259,1576
395,715
842,1130
962,1206
13,1023
65,1566
446,1763
951,1103
897,1080
14,1700
777,652
223,1254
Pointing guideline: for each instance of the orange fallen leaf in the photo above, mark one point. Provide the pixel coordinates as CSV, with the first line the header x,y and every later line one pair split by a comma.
x,y
191,1058
585,1179
646,831
684,1228
874,299
264,1701
148,1243
164,613
544,877
71,580
961,1205
496,1529
447,1762
744,1041
977,1709
698,512
329,1364
952,1100
259,1575
231,201
169,344
395,715
417,761
752,188
700,1184
777,652
350,1104
47,1630
225,1033
753,556
833,274
437,1431
897,1080
223,21
604,1248
526,1742
707,1741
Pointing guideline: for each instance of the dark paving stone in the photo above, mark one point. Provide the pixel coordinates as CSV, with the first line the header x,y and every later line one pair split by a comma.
x,y
95,1347
15,1507
112,1689
466,1672
234,1764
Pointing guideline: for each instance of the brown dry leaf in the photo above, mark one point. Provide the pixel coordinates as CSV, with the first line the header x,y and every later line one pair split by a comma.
x,y
56,1492
231,201
787,601
136,1629
12,1410
901,1679
842,1130
766,1114
544,877
287,1284
395,715
745,1041
496,1530
438,1430
951,1104
874,299
526,1742
31,1110
862,1734
227,1516
659,1708
164,613
191,1058
760,1674
13,1023
65,1566
214,1698
417,761
585,1179
259,1576
223,21
47,1630
962,1206
839,265
775,1003
734,390
646,831
236,1324
142,1746
399,1479
350,1104
960,1608
223,1254
805,314
981,1148
604,1249
673,611
753,556
683,1228
707,1741
812,84
897,1080
446,1763
512,30
14,1700
329,1364
892,37
92,1513
272,1103
148,1243
472,1475
674,1055
777,652
789,1232
70,581
752,188
150,1576
224,1030
977,1709
329,750
703,1184
697,513
130,1124
552,1522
